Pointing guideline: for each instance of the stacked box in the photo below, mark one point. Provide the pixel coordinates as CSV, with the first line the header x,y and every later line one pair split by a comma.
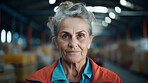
x,y
11,48
118,57
47,50
113,56
23,71
9,69
144,61
2,73
140,62
1,59
16,59
7,48
25,64
105,53
9,75
10,79
1,64
136,66
124,54
17,48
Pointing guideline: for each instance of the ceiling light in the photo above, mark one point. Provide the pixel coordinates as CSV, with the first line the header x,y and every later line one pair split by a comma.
x,y
9,36
55,8
123,2
118,9
112,15
130,5
100,9
52,1
107,19
3,36
104,24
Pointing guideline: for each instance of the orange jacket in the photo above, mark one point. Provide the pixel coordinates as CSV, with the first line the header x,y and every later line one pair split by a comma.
x,y
99,74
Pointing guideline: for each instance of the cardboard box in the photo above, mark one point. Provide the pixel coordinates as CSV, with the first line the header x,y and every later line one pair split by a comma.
x,y
20,58
2,80
1,59
136,66
10,79
144,61
9,69
15,59
124,53
17,48
2,73
21,78
32,58
8,48
33,68
21,70
25,64
12,48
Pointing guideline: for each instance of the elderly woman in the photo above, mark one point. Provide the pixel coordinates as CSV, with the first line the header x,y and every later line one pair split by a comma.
x,y
72,28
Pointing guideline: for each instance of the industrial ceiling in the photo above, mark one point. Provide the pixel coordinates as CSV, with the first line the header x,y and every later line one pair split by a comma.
x,y
36,12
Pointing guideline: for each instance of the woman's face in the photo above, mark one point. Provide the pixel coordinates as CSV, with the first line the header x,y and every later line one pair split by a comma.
x,y
73,39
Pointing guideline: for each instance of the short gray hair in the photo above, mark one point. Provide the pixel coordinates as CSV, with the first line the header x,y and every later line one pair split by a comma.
x,y
69,9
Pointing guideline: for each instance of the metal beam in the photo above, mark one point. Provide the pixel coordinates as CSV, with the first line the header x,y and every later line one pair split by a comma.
x,y
36,5
19,16
29,2
38,12
134,13
139,3
13,13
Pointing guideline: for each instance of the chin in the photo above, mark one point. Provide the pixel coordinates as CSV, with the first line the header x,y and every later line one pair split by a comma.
x,y
75,59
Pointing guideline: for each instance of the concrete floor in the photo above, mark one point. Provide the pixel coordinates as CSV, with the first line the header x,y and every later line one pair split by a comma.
x,y
125,75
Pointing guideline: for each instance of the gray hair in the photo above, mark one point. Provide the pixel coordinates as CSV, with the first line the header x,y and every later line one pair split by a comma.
x,y
68,9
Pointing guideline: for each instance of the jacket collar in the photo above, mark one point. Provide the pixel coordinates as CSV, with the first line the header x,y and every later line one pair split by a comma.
x,y
42,74
58,73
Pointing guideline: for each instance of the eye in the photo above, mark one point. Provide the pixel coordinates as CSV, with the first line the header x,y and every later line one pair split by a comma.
x,y
81,35
65,36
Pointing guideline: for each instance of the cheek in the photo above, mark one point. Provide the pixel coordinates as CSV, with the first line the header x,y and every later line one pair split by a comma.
x,y
85,42
62,45
84,46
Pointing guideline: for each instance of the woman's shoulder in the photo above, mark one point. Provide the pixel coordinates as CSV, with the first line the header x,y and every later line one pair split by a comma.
x,y
42,74
106,72
102,74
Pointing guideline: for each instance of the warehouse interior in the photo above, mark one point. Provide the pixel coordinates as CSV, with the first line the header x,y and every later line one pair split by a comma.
x,y
120,43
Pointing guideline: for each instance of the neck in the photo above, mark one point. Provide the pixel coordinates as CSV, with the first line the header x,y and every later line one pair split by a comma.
x,y
73,69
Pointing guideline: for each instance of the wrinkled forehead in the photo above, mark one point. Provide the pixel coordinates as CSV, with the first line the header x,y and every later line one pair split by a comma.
x,y
73,25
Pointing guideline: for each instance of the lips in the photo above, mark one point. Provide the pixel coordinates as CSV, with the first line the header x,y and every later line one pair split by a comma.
x,y
72,52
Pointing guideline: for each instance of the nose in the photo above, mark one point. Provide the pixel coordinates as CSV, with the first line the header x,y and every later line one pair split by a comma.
x,y
73,42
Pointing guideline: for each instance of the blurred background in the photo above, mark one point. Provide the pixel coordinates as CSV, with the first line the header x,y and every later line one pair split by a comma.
x,y
120,43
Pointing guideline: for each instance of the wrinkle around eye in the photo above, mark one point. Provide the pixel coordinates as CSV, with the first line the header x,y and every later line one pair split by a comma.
x,y
81,36
65,36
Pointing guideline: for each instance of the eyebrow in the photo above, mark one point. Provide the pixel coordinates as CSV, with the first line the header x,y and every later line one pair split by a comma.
x,y
64,32
76,32
82,31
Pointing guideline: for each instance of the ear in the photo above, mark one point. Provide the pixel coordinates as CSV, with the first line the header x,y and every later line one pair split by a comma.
x,y
90,41
56,43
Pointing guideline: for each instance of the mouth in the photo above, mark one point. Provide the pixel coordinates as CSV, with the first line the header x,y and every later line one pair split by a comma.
x,y
72,52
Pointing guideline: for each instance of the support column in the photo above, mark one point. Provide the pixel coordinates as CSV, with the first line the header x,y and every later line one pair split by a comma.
x,y
144,27
29,36
43,37
127,34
